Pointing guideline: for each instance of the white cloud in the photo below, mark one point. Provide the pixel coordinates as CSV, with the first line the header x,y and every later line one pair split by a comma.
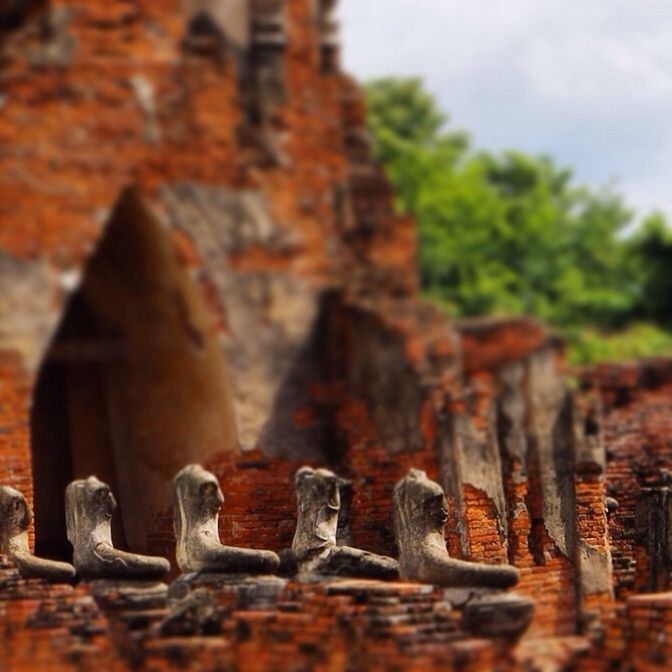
x,y
586,81
592,68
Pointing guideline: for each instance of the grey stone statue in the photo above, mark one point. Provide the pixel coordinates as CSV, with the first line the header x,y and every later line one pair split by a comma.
x,y
15,519
419,519
314,545
197,499
89,506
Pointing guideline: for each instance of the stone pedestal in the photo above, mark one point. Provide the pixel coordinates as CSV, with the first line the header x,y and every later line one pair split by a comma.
x,y
200,602
491,613
244,591
129,595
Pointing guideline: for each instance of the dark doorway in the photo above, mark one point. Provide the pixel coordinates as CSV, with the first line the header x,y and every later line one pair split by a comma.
x,y
133,387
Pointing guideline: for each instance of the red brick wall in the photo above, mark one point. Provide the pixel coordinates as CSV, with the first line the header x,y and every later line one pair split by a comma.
x,y
636,426
260,503
14,412
548,576
77,135
636,637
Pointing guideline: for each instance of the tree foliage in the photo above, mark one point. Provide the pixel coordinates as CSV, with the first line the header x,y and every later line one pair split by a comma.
x,y
651,246
511,233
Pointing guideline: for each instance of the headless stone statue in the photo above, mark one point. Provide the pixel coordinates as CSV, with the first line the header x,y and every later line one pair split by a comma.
x,y
315,546
419,519
15,518
89,506
197,499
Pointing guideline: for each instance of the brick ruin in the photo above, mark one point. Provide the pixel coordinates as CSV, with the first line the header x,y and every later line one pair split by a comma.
x,y
200,262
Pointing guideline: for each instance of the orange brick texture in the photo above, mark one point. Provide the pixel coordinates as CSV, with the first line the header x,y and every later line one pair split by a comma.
x,y
636,427
249,147
343,625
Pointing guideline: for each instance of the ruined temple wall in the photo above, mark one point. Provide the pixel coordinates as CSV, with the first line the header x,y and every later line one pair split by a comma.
x,y
120,93
636,637
252,157
593,555
238,148
514,371
636,427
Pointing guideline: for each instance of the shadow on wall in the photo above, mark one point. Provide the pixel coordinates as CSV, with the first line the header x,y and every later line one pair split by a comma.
x,y
133,386
14,12
301,424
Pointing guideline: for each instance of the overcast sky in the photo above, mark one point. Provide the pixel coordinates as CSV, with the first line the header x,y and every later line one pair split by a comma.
x,y
588,82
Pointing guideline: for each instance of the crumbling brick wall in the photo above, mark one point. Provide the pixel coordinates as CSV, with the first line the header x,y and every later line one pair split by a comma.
x,y
636,429
248,150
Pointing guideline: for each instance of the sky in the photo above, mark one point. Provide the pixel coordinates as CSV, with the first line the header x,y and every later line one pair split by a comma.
x,y
588,82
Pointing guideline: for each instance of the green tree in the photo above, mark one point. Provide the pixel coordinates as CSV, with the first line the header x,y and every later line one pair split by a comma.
x,y
651,248
409,141
502,234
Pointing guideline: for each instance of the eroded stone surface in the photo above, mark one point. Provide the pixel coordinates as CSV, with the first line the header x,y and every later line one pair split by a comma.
x,y
197,499
314,546
419,519
493,613
90,505
15,519
124,595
